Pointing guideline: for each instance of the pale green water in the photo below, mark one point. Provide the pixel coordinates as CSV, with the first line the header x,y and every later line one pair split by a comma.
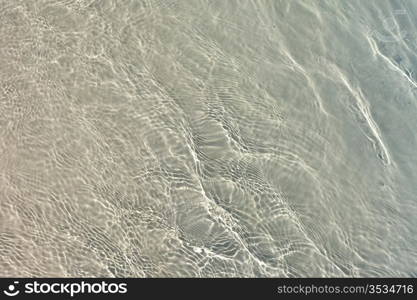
x,y
208,138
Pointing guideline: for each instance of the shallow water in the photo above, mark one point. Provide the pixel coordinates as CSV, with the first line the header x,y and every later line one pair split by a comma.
x,y
208,138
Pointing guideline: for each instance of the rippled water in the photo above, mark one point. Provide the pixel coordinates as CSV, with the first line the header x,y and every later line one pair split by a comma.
x,y
208,138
